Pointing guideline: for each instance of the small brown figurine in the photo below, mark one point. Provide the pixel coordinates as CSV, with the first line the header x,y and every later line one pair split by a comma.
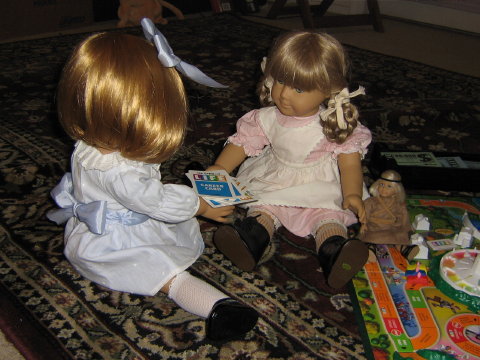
x,y
387,217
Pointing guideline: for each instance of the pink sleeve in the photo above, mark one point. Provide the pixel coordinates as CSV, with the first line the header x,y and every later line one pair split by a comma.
x,y
249,134
356,142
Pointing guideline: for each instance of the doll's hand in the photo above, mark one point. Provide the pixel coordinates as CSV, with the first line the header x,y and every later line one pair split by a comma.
x,y
214,168
355,203
219,214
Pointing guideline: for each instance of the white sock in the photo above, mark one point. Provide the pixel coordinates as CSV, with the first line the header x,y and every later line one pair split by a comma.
x,y
194,295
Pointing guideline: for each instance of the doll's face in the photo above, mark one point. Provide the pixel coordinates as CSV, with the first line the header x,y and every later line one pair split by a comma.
x,y
296,102
386,188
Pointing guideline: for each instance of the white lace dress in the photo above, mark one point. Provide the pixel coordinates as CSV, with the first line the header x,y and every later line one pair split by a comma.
x,y
137,258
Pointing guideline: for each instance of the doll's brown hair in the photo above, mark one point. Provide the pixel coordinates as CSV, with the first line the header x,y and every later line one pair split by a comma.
x,y
311,61
114,94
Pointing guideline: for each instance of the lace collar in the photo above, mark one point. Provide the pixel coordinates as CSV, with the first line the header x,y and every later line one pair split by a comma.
x,y
295,121
92,159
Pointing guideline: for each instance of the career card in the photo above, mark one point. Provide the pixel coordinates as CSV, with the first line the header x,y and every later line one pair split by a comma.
x,y
217,188
211,183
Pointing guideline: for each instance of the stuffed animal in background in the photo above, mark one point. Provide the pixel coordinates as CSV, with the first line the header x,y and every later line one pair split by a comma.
x,y
131,12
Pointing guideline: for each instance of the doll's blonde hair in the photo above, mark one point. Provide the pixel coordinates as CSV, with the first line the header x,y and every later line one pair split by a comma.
x,y
114,94
311,61
396,180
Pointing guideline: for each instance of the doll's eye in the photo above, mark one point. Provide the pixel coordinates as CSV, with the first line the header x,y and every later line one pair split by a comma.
x,y
299,91
281,82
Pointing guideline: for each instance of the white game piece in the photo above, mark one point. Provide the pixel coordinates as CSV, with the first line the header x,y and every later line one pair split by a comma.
x,y
421,222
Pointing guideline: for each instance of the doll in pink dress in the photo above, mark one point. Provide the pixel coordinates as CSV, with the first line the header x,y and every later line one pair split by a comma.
x,y
301,156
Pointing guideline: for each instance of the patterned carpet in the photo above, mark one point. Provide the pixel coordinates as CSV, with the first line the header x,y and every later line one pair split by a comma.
x,y
408,105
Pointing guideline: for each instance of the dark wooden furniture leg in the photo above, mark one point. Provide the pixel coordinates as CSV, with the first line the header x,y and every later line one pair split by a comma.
x,y
306,14
374,12
276,9
313,15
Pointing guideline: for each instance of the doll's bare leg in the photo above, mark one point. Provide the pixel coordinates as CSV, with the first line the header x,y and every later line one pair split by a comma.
x,y
340,258
245,242
225,318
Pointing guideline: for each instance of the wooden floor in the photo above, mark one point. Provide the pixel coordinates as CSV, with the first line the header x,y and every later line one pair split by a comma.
x,y
440,47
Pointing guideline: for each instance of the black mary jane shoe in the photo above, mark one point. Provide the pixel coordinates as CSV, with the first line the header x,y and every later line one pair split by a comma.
x,y
341,259
229,319
243,243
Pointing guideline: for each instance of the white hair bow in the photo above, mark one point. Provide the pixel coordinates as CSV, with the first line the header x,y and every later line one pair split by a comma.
x,y
343,97
169,59
268,81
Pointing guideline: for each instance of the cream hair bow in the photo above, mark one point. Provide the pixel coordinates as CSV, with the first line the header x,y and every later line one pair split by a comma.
x,y
335,104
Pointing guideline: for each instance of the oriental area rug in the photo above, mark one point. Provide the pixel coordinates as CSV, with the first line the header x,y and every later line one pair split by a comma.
x,y
51,312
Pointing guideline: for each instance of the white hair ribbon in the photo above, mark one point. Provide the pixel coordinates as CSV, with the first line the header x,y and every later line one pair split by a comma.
x,y
169,59
268,81
343,97
263,64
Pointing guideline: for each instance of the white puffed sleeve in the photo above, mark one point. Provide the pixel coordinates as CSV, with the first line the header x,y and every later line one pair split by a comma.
x,y
138,192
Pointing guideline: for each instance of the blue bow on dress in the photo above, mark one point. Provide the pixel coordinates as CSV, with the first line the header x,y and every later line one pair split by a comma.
x,y
92,214
169,59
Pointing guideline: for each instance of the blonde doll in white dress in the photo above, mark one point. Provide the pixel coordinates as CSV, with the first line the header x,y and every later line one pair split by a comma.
x,y
125,229
301,156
